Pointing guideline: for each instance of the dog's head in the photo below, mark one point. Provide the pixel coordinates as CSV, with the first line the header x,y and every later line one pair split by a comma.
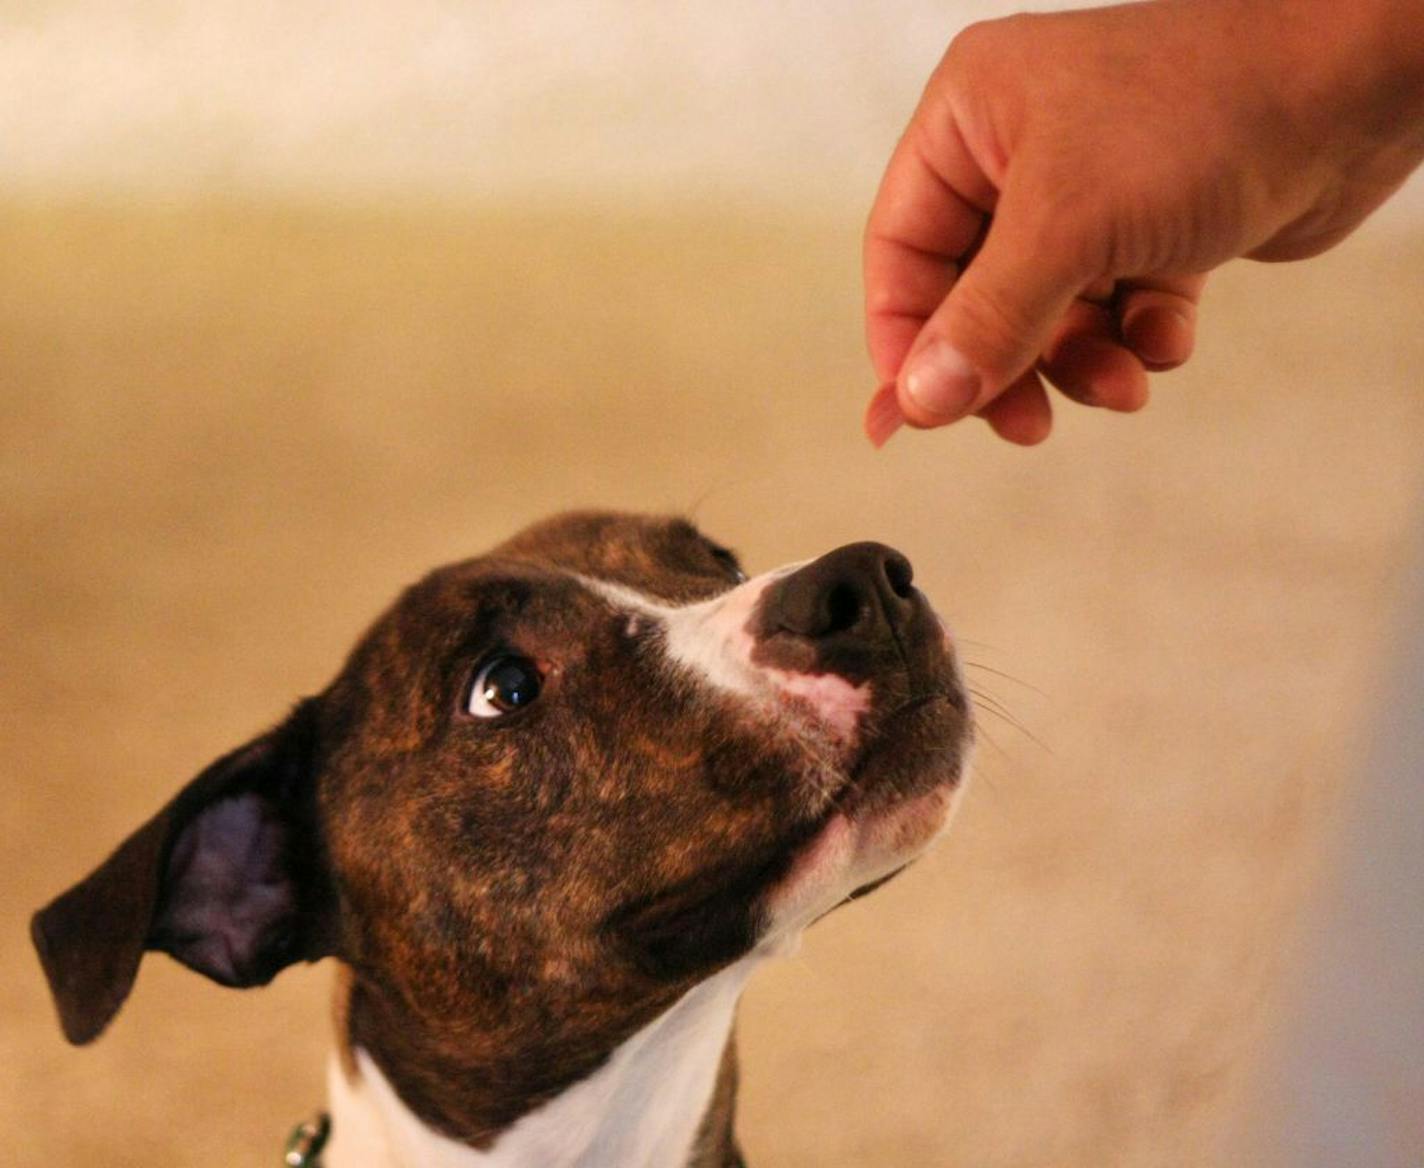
x,y
583,771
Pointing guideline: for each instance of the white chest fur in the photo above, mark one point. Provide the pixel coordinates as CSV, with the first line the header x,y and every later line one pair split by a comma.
x,y
641,1109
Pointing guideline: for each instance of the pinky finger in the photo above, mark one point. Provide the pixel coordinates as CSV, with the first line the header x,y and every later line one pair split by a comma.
x,y
1157,319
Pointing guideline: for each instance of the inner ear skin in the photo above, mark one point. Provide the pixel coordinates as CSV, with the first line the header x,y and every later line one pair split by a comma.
x,y
229,877
230,909
246,889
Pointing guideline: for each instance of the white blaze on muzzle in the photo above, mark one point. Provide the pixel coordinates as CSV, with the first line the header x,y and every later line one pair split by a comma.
x,y
713,640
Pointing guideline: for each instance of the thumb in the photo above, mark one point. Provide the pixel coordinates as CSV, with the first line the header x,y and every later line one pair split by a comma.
x,y
998,317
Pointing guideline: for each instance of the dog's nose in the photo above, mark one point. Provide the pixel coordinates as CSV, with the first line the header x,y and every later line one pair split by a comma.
x,y
860,591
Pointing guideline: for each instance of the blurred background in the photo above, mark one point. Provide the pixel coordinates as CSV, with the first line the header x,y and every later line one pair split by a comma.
x,y
297,301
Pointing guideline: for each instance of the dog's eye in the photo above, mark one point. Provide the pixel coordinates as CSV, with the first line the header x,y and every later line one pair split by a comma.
x,y
504,685
727,561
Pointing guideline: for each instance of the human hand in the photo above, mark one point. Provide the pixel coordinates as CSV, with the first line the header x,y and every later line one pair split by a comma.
x,y
1068,179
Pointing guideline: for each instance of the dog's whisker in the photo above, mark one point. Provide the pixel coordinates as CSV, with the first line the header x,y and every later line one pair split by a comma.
x,y
991,705
981,667
693,512
983,780
982,731
981,695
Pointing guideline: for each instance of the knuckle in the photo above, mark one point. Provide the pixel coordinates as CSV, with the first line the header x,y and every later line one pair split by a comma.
x,y
987,50
885,298
968,44
982,42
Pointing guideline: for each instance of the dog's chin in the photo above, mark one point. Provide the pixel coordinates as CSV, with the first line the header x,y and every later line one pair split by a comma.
x,y
897,800
915,750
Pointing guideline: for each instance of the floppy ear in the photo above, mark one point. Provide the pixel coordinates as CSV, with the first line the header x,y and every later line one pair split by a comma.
x,y
229,878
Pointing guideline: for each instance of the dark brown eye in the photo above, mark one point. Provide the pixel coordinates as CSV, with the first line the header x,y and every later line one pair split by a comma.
x,y
504,684
728,563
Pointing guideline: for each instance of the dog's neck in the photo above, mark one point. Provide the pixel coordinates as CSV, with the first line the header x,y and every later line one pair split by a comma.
x,y
655,1102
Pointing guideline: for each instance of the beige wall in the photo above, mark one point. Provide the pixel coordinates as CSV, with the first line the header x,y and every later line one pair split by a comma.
x,y
294,305
636,99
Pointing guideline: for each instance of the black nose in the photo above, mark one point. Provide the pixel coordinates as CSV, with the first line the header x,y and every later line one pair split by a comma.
x,y
860,590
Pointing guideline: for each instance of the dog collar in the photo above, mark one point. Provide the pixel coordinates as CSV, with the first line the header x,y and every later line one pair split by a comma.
x,y
307,1140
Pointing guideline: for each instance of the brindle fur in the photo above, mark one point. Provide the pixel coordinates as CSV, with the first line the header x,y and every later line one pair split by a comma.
x,y
546,883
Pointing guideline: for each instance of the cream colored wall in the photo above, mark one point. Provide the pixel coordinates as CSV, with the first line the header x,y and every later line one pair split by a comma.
x,y
786,102
235,415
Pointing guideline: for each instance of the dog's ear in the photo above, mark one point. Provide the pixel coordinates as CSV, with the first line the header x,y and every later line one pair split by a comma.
x,y
229,878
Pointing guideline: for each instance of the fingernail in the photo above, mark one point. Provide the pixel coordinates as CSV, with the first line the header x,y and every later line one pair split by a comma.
x,y
941,381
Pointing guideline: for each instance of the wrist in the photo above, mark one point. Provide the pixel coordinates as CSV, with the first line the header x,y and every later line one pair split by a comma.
x,y
1352,71
1398,33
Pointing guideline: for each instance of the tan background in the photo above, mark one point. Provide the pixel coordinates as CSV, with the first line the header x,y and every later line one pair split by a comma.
x,y
232,425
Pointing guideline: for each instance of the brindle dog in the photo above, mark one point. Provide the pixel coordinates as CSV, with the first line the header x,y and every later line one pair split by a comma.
x,y
557,804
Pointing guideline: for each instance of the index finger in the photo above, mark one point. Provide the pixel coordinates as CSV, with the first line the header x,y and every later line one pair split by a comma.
x,y
920,231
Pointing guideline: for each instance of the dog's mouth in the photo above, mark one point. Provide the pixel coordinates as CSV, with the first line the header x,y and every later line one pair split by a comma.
x,y
919,746
711,918
894,800
897,798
